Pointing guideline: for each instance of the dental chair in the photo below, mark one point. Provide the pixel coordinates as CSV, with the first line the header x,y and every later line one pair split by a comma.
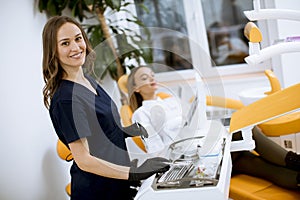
x,y
242,186
280,126
65,154
247,187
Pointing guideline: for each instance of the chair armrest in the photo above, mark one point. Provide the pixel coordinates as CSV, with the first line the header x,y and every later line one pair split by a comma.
x,y
224,102
274,82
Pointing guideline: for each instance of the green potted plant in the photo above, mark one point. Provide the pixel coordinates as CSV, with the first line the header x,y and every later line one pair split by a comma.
x,y
117,43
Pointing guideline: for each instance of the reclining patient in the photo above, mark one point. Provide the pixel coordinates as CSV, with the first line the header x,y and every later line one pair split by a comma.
x,y
274,163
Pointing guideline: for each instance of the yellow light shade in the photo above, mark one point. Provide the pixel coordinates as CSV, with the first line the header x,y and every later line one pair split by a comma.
x,y
252,33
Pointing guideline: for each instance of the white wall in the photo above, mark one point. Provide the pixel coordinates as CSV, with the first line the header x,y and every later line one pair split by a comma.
x,y
30,168
289,62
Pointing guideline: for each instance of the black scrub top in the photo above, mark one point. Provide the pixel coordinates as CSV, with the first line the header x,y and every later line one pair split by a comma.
x,y
76,112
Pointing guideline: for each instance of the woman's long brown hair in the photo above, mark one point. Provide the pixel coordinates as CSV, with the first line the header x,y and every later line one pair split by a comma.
x,y
52,70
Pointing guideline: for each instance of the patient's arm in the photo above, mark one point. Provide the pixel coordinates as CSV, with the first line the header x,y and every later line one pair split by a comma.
x,y
157,117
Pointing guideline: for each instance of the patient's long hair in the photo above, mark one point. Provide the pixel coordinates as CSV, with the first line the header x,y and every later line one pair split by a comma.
x,y
135,98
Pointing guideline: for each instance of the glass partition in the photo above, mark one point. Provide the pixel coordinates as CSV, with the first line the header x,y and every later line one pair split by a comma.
x,y
225,22
169,38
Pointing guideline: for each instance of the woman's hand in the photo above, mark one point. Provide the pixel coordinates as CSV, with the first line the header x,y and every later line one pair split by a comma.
x,y
135,129
148,168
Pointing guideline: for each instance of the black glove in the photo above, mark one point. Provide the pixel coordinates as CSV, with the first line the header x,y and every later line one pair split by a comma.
x,y
135,183
135,129
148,168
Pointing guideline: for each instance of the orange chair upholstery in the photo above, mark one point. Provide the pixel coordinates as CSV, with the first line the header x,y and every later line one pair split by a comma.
x,y
68,189
244,187
223,102
65,154
284,125
126,114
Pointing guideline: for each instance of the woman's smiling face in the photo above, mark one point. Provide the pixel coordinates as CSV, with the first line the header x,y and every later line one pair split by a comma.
x,y
71,46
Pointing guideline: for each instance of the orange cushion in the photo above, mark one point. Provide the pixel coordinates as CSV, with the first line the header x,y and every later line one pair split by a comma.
x,y
283,125
68,189
244,187
63,152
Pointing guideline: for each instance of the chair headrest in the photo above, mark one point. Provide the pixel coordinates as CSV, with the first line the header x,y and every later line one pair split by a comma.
x,y
122,83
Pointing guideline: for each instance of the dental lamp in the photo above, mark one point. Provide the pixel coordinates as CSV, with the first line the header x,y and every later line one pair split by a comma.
x,y
257,55
262,14
269,52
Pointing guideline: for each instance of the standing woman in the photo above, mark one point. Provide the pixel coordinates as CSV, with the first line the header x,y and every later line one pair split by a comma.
x,y
86,119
